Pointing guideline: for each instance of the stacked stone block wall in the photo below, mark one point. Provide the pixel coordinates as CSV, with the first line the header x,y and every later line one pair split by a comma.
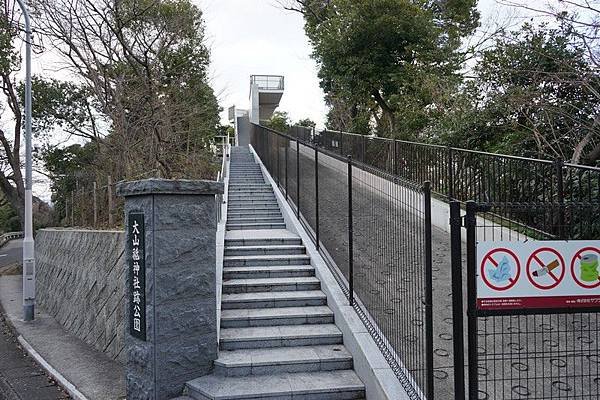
x,y
80,282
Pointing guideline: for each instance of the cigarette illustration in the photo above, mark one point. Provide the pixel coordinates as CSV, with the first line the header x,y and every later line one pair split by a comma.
x,y
546,269
589,268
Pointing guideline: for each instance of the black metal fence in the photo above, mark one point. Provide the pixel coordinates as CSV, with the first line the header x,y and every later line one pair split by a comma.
x,y
374,230
543,353
460,174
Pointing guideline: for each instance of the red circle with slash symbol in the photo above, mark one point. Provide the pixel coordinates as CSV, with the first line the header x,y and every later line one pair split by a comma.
x,y
578,257
490,259
536,263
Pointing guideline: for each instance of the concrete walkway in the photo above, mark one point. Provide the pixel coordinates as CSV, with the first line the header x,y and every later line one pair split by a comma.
x,y
91,374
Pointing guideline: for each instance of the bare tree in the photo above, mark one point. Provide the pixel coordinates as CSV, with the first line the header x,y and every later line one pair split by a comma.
x,y
11,179
145,65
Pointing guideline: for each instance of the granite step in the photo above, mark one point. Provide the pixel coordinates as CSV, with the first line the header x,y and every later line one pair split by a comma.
x,y
273,299
240,208
264,242
254,317
253,202
255,220
239,227
264,250
286,284
254,213
238,261
279,336
321,385
283,271
248,362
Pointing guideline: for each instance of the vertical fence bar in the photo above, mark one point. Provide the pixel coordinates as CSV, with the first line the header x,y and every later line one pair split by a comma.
x,y
277,140
110,200
450,175
395,157
560,194
364,149
95,200
287,145
428,290
457,301
470,223
317,197
350,236
341,144
298,179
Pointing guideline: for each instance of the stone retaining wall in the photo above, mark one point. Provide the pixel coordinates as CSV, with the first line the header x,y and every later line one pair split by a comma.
x,y
80,282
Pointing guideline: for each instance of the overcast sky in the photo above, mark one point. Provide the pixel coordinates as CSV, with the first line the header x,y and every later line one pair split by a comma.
x,y
259,37
255,37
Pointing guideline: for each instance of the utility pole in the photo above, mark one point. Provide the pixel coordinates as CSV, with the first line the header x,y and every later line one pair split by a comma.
x,y
28,243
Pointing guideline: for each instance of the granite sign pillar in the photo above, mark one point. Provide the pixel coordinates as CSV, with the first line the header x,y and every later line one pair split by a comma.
x,y
171,332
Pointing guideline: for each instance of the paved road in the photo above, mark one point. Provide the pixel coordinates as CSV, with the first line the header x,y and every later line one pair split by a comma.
x,y
11,252
20,377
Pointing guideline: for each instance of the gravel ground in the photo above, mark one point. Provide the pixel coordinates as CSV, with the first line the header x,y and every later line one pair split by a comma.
x,y
521,357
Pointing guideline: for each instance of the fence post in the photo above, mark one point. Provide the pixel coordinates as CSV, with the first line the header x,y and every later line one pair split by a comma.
x,y
110,200
450,174
277,139
470,224
287,145
560,193
350,236
317,196
298,179
395,157
457,300
95,200
341,143
364,149
428,290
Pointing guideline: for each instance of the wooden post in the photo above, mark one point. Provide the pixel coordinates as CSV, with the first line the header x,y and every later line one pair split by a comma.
x,y
72,208
66,211
95,187
82,206
110,201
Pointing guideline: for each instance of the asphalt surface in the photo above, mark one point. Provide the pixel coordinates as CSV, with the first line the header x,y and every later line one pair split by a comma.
x,y
20,377
11,252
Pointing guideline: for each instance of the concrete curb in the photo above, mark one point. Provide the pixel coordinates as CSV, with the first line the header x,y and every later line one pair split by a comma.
x,y
61,380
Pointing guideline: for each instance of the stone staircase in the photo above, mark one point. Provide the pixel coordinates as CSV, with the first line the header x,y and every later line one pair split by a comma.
x,y
278,336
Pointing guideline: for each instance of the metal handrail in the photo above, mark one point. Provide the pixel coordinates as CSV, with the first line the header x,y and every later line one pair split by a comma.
x,y
5,238
266,80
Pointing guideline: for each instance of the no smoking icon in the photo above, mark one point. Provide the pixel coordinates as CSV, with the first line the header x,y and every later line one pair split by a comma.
x,y
500,269
545,268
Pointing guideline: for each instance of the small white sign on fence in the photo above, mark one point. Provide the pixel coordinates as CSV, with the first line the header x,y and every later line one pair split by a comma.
x,y
544,274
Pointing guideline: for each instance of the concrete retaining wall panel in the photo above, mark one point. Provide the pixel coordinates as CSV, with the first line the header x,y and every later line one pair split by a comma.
x,y
80,282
